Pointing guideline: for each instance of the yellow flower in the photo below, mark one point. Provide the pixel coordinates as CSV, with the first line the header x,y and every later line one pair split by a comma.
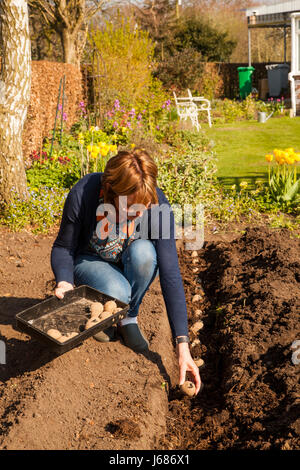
x,y
233,187
94,154
289,160
269,157
243,184
113,148
285,155
281,161
92,128
123,129
132,146
290,150
297,157
104,152
102,144
90,148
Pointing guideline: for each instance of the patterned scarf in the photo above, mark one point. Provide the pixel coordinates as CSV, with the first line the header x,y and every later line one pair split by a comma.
x,y
114,237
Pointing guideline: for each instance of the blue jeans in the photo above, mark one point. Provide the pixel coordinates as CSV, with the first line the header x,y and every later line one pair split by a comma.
x,y
128,281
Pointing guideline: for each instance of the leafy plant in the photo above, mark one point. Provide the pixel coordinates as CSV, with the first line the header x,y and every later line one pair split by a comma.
x,y
283,185
40,211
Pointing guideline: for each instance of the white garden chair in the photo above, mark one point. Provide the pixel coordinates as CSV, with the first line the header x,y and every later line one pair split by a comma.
x,y
202,105
187,109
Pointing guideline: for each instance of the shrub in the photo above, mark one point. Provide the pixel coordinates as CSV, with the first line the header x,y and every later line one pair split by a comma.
x,y
187,174
126,56
182,69
200,35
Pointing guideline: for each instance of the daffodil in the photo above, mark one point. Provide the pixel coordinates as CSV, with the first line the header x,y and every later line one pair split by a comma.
x,y
90,148
269,157
104,152
81,138
243,184
113,148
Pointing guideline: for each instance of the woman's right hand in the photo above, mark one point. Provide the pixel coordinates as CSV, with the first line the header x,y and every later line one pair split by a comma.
x,y
61,288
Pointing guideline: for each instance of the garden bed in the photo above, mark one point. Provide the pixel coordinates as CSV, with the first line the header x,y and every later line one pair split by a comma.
x,y
250,311
249,288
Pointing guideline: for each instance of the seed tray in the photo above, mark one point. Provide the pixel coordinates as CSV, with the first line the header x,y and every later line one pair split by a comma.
x,y
67,315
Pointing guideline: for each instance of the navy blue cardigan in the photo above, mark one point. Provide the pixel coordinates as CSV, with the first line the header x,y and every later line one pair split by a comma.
x,y
78,223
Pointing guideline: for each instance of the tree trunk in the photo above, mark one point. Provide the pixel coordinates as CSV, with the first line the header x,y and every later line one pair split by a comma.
x,y
68,47
72,45
14,95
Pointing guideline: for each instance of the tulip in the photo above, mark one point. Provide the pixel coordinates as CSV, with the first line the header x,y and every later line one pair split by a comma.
x,y
297,157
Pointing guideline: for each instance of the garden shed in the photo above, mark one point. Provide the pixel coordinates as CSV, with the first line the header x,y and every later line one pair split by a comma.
x,y
284,15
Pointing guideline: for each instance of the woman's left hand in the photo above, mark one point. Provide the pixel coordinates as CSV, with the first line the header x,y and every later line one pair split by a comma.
x,y
186,364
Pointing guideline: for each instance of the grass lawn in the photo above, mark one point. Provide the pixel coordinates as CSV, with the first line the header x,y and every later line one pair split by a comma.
x,y
241,146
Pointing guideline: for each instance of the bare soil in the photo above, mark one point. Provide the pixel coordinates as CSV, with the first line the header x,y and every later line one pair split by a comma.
x,y
96,396
250,309
105,396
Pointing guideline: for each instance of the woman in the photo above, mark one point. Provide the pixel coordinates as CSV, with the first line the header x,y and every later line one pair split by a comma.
x,y
119,248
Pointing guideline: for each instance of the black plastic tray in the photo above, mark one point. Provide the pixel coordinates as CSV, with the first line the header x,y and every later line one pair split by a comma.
x,y
25,319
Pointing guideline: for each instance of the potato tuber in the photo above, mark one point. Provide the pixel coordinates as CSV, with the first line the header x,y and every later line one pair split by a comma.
x,y
199,362
62,339
54,333
110,306
118,309
71,335
188,388
91,322
197,326
96,309
106,314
